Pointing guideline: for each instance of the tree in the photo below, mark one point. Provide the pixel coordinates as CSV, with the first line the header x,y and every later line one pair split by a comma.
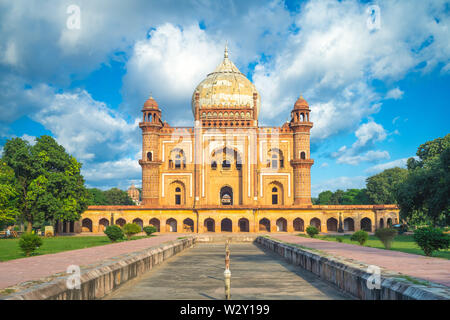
x,y
325,197
431,239
426,191
337,196
355,196
97,197
116,196
8,195
381,188
49,181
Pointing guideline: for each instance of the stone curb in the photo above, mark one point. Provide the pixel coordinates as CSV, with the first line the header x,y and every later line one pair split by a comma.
x,y
100,279
351,277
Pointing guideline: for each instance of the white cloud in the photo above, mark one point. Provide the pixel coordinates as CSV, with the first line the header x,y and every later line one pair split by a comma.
x,y
324,165
342,183
369,156
395,94
88,128
367,135
334,58
170,64
30,139
120,173
395,120
392,164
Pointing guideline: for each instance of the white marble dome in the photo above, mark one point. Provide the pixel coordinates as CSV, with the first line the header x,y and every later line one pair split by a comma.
x,y
226,87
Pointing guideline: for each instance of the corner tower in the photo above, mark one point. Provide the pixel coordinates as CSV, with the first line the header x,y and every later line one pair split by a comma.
x,y
301,161
150,161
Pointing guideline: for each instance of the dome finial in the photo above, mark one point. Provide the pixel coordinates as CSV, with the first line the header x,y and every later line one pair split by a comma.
x,y
225,54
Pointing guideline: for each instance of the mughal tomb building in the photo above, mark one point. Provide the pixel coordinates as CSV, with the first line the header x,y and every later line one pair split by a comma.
x,y
228,174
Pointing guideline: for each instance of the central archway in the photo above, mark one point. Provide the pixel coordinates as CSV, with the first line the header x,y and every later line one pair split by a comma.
x,y
226,196
226,225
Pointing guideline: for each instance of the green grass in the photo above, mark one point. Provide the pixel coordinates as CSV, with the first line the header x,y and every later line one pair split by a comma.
x,y
403,243
9,248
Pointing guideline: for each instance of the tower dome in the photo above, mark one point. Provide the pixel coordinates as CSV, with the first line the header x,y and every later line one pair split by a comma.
x,y
301,103
226,87
150,104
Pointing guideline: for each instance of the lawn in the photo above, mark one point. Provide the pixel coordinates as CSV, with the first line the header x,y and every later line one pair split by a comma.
x,y
9,248
404,243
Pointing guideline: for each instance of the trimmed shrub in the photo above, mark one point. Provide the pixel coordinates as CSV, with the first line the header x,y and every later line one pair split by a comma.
x,y
431,239
150,229
131,229
360,236
114,233
29,242
312,231
386,236
339,239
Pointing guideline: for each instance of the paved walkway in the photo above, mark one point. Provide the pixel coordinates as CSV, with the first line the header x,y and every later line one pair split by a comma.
x,y
431,269
197,273
33,268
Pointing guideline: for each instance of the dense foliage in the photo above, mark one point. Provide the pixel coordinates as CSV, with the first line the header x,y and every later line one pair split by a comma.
x,y
48,181
112,196
360,236
29,242
382,186
8,195
349,197
386,236
312,231
150,229
114,233
425,193
431,239
131,229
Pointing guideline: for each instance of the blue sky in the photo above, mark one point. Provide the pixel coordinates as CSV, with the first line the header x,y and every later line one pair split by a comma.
x,y
377,91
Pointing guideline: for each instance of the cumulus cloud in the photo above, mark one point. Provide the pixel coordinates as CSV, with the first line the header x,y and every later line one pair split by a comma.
x,y
395,94
367,135
170,64
96,135
87,128
121,174
334,58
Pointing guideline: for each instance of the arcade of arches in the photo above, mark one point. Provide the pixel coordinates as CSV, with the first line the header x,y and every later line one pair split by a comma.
x,y
368,218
